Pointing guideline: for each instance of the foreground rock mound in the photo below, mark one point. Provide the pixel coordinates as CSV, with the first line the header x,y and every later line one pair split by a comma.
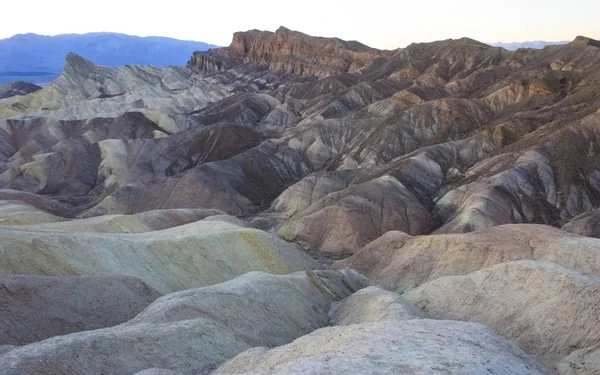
x,y
188,256
195,330
548,309
38,307
586,224
409,347
401,262
373,304
581,362
382,333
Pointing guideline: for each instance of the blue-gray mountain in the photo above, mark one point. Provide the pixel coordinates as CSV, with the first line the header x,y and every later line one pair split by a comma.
x,y
537,44
17,88
40,59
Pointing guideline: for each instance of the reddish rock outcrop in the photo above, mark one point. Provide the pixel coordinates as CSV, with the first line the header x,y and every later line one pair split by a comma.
x,y
290,51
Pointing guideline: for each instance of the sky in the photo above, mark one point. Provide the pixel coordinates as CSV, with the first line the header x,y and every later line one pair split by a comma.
x,y
385,24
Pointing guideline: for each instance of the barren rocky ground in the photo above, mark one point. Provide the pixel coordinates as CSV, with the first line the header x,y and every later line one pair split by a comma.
x,y
300,205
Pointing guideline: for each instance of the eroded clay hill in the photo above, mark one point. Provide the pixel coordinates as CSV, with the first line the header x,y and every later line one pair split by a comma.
x,y
445,137
131,197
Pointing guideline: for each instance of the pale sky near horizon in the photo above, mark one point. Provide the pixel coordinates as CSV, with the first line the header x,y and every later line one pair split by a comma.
x,y
378,23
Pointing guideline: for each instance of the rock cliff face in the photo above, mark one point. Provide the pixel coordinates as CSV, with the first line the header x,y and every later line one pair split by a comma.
x,y
290,51
442,171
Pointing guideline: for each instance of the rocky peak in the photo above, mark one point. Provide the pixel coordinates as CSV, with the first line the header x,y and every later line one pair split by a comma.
x,y
585,41
77,65
252,42
77,60
290,51
212,61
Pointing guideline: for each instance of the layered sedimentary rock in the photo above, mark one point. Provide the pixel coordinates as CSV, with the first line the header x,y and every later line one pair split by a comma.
x,y
447,167
548,309
476,136
346,220
397,341
200,253
370,305
580,362
427,347
290,51
586,224
39,307
25,216
400,262
194,330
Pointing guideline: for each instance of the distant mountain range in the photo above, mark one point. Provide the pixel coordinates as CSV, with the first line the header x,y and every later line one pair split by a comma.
x,y
40,59
531,44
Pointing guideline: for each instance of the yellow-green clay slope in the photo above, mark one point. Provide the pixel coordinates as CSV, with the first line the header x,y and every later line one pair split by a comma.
x,y
188,256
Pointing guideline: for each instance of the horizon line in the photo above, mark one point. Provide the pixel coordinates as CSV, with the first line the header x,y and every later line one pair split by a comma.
x,y
564,41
